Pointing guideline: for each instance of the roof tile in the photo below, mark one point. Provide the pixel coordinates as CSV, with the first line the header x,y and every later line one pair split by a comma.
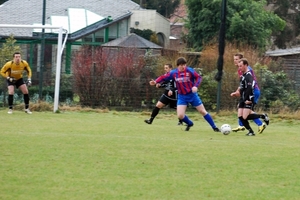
x,y
31,11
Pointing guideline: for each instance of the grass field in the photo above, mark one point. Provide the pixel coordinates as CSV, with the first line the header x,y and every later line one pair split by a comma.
x,y
115,155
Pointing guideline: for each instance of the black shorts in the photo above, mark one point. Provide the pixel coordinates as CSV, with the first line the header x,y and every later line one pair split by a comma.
x,y
243,105
168,100
17,83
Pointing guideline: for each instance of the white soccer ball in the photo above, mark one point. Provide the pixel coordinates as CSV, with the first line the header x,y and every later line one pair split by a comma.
x,y
225,129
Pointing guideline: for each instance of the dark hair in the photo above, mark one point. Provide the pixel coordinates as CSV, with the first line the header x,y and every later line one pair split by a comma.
x,y
244,61
181,61
239,55
16,53
169,65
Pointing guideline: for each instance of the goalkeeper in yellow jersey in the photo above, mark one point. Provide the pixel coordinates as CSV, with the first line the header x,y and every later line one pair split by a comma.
x,y
13,72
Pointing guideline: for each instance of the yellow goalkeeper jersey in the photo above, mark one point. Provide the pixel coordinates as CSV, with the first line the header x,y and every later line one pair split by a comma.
x,y
13,70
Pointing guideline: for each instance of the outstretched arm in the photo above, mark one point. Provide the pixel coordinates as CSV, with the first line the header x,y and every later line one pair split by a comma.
x,y
152,82
165,77
236,93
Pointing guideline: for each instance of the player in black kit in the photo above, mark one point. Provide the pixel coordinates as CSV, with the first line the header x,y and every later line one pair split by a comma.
x,y
169,97
247,98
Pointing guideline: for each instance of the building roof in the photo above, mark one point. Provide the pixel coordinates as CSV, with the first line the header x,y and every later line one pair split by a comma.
x,y
283,52
29,12
96,26
132,40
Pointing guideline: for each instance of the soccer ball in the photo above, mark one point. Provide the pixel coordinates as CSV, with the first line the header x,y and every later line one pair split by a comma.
x,y
226,129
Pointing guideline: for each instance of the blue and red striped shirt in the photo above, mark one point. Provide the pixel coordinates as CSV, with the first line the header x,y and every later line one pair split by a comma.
x,y
184,80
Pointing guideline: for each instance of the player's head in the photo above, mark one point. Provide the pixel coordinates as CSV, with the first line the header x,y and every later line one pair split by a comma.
x,y
168,67
181,61
243,65
236,58
17,57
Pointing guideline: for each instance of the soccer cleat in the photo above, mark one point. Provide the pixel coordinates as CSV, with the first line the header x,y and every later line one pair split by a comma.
x,y
148,121
250,134
262,128
188,127
266,119
28,111
217,129
239,128
10,111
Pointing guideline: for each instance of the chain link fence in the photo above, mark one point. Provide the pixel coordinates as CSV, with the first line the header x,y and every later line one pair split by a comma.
x,y
123,94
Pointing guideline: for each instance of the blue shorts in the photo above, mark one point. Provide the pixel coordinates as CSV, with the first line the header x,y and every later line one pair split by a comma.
x,y
192,98
256,95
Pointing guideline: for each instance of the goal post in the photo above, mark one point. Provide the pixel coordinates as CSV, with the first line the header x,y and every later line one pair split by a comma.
x,y
60,48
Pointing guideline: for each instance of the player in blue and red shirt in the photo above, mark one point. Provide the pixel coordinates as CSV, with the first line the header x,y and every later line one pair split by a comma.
x,y
169,97
187,82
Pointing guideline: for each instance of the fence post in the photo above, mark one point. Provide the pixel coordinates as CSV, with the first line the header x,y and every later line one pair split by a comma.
x,y
219,96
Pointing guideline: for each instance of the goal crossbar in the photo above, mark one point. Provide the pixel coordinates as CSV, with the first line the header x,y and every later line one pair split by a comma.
x,y
60,48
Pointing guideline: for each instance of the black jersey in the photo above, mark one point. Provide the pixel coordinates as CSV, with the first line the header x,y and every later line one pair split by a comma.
x,y
246,87
169,85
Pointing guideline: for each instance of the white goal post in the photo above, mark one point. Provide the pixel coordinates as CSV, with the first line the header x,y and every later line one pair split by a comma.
x,y
60,48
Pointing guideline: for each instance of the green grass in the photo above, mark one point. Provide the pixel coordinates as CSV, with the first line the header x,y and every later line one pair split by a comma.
x,y
115,155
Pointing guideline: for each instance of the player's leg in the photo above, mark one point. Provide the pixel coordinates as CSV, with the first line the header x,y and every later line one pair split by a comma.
x,y
240,127
183,117
180,122
182,103
257,121
207,117
197,103
263,116
246,124
246,111
173,104
22,86
155,112
11,91
261,126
